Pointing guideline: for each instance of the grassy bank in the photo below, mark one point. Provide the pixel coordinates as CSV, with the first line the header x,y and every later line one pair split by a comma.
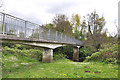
x,y
27,68
22,61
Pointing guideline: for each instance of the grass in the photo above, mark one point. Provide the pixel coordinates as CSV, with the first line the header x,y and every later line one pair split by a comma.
x,y
21,67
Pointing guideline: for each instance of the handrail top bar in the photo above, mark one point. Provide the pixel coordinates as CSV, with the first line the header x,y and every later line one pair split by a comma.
x,y
20,18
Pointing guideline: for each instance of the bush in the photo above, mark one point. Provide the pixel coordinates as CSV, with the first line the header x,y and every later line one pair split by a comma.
x,y
31,53
84,52
95,56
6,50
111,60
58,56
108,54
88,58
65,50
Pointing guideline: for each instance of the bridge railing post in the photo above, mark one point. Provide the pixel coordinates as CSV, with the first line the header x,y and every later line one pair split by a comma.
x,y
33,33
49,35
61,36
39,33
25,28
56,35
5,28
3,24
70,39
65,38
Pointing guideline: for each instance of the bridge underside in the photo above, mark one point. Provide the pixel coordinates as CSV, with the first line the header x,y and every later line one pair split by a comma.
x,y
48,47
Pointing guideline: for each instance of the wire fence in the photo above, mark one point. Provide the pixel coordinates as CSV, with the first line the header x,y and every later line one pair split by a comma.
x,y
11,25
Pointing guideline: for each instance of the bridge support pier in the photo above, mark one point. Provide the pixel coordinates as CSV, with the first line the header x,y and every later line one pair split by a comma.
x,y
76,54
47,55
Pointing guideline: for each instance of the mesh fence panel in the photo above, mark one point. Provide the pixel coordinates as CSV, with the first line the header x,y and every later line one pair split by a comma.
x,y
11,25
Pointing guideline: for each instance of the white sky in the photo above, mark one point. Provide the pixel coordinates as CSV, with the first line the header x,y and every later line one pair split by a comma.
x,y
43,11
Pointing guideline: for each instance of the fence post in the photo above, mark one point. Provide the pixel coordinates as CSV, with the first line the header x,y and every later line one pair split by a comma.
x,y
33,33
6,28
3,24
25,27
49,34
65,37
39,33
56,35
61,36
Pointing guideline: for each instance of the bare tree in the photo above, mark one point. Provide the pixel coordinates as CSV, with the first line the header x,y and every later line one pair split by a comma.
x,y
95,27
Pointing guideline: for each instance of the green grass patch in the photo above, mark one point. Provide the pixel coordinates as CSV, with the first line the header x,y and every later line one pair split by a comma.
x,y
59,69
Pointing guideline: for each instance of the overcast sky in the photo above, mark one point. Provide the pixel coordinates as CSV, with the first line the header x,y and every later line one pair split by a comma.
x,y
43,11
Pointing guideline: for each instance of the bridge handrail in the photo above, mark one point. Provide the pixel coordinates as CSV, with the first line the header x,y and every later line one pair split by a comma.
x,y
12,25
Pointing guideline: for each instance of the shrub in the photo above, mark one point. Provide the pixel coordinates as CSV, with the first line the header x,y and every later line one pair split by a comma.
x,y
6,50
84,52
58,56
108,54
95,56
111,60
31,53
65,50
88,58
35,53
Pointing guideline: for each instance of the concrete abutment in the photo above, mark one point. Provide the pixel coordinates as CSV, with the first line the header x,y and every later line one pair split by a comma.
x,y
47,55
76,54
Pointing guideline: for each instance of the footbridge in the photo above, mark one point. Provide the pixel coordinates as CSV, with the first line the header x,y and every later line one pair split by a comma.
x,y
17,30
